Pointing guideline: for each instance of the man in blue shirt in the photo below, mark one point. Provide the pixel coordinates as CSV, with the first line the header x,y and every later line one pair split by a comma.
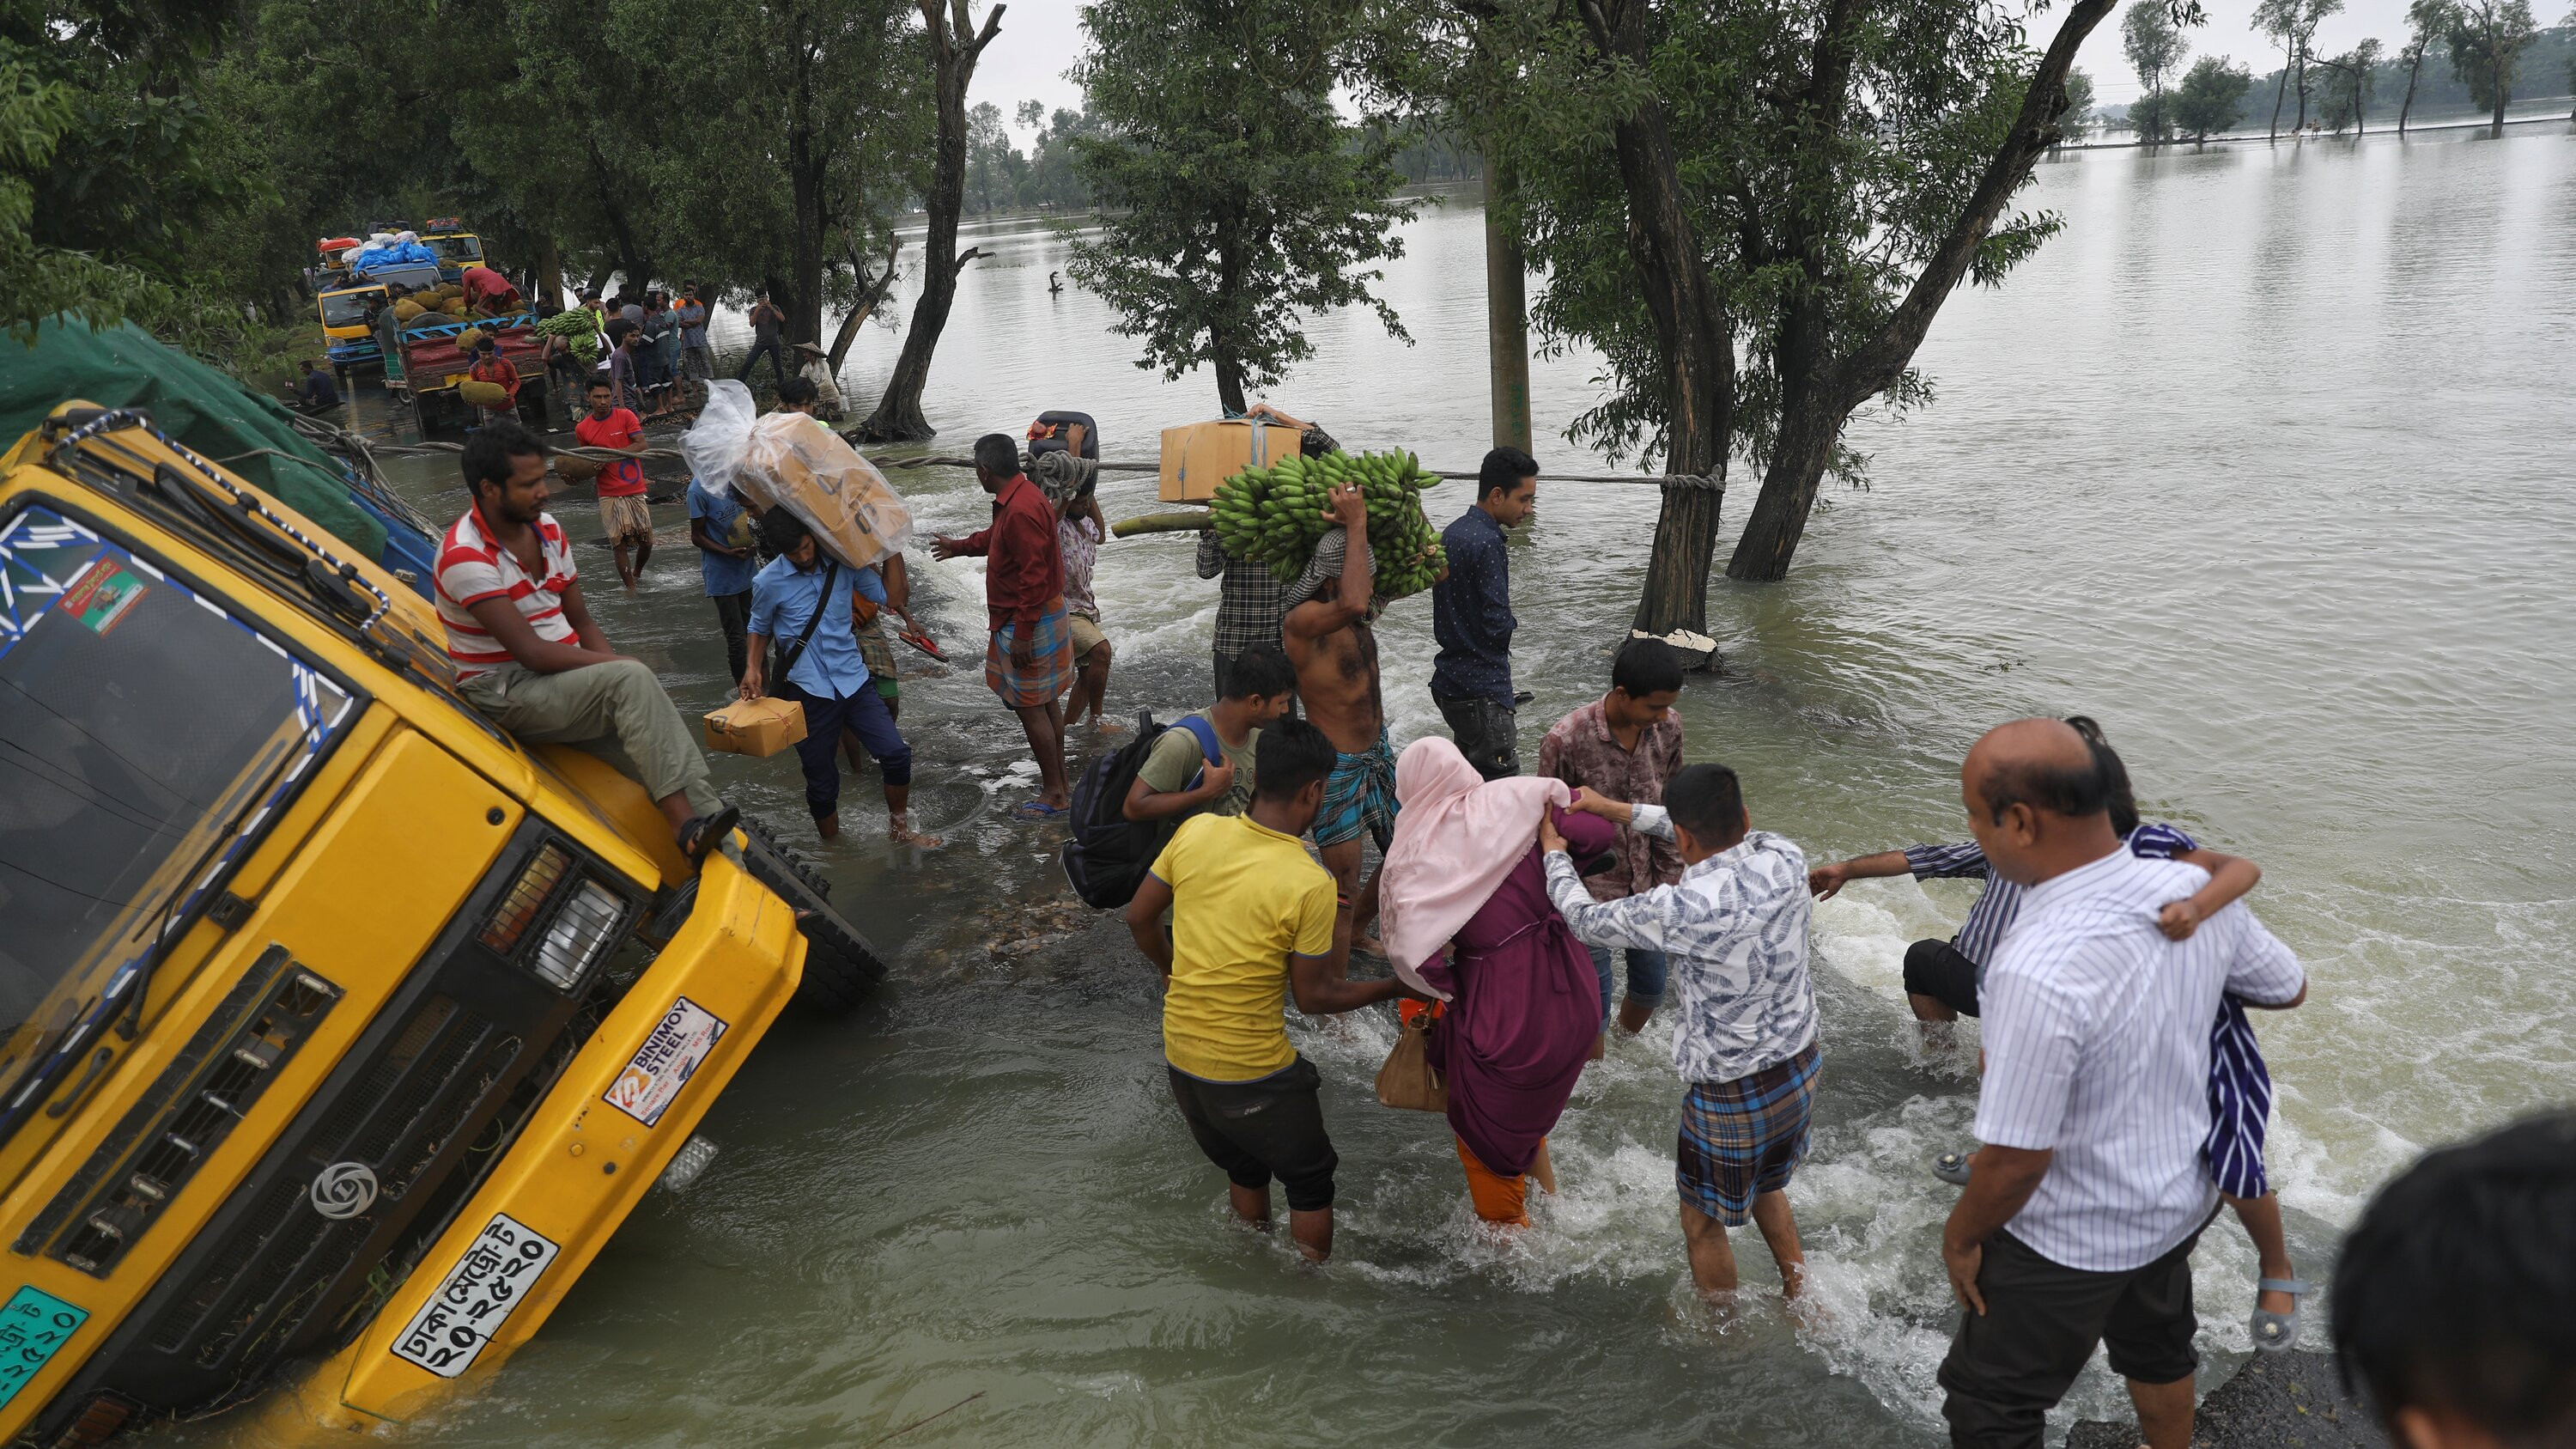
x,y
721,527
824,671
1471,616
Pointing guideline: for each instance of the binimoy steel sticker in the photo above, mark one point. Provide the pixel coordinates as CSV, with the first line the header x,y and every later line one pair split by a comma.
x,y
477,1297
664,1063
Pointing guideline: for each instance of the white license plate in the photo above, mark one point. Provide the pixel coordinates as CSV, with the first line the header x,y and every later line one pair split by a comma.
x,y
499,1267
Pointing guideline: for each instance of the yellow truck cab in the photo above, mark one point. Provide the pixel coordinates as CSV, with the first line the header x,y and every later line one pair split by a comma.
x,y
337,1030
346,337
457,249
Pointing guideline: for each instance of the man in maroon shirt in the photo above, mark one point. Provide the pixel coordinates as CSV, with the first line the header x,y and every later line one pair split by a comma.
x,y
1030,660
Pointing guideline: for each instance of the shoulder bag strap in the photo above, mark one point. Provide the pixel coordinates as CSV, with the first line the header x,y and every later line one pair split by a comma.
x,y
788,655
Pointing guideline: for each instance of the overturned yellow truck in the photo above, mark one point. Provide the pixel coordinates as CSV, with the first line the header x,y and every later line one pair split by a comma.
x,y
337,1030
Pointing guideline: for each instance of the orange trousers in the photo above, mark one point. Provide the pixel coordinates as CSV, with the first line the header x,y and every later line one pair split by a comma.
x,y
1504,1201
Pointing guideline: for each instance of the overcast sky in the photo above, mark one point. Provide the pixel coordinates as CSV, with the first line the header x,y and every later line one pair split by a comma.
x,y
1040,39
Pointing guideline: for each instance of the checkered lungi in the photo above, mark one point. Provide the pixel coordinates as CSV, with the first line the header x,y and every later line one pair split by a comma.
x,y
1050,673
1359,795
877,653
1744,1137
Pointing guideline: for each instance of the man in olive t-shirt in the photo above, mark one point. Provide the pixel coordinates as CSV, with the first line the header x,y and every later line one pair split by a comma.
x,y
1252,922
1261,688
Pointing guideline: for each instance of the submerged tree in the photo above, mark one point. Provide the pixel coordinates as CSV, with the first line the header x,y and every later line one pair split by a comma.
x,y
2426,21
1794,186
2155,47
1236,197
2347,93
955,45
2292,24
2211,97
2486,39
2078,120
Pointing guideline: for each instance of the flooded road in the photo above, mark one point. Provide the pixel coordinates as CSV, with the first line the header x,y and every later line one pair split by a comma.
x,y
2264,462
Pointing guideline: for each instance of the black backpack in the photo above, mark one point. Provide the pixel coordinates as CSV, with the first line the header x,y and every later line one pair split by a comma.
x,y
1107,855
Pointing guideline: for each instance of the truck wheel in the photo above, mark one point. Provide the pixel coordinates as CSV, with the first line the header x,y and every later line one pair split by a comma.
x,y
841,968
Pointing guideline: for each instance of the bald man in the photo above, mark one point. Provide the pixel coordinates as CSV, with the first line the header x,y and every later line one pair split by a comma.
x,y
2078,1221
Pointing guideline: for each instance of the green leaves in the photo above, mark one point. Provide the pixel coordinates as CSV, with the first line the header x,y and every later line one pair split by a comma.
x,y
1235,197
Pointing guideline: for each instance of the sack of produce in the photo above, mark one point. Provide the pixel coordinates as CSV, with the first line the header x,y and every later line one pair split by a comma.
x,y
1277,516
792,461
483,394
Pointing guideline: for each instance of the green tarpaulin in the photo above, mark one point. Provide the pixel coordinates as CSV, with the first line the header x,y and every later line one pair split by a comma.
x,y
203,408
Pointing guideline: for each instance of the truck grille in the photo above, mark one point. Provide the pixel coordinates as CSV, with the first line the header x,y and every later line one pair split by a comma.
x,y
284,1256
191,1107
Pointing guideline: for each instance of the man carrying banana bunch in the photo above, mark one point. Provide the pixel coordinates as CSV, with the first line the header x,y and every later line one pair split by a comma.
x,y
1328,639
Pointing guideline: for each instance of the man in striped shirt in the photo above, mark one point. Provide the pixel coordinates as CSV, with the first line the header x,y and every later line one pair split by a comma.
x,y
530,657
2077,1224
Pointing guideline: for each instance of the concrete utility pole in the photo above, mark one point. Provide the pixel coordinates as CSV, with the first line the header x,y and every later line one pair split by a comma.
x,y
1506,312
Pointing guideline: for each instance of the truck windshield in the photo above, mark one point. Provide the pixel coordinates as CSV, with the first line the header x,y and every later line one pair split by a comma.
x,y
466,249
146,738
348,309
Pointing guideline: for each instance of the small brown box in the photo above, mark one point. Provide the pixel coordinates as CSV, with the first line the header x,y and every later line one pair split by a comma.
x,y
1198,457
760,727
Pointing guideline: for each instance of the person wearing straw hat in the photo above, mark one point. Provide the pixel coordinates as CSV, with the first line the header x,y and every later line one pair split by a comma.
x,y
815,366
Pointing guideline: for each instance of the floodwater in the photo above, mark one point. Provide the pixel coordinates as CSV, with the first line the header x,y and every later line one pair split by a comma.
x,y
2264,462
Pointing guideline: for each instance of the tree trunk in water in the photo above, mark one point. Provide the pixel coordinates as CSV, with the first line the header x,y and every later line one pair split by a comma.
x,y
955,45
1692,337
874,293
804,299
1229,382
1507,314
1820,392
2502,99
2279,94
549,272
2409,103
2302,124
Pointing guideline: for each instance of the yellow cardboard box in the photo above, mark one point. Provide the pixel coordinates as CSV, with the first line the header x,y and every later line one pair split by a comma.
x,y
1198,457
760,727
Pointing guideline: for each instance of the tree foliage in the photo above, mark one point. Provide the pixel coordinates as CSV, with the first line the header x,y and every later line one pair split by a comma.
x,y
2292,24
2487,39
1237,199
2154,45
2077,121
2349,81
2211,97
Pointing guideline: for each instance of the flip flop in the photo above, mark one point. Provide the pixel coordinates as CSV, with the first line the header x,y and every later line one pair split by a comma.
x,y
1952,1168
1040,810
2276,1332
924,643
706,834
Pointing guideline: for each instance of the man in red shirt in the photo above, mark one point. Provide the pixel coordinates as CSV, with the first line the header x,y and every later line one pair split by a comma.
x,y
488,293
490,366
1030,660
621,483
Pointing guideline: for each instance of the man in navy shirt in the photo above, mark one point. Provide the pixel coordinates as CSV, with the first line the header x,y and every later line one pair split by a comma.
x,y
317,391
825,672
1471,616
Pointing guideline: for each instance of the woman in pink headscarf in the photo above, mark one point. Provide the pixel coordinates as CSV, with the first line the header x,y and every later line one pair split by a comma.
x,y
1465,917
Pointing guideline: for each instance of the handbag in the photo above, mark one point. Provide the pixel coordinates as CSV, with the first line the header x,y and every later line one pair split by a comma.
x,y
1408,1079
783,657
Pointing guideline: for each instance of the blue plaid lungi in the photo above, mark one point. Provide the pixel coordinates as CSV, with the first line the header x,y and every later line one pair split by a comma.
x,y
1744,1137
1359,795
1050,673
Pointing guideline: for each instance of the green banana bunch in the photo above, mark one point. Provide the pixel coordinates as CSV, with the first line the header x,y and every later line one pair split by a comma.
x,y
1274,515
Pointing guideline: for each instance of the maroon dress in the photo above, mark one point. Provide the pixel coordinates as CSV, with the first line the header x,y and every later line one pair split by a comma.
x,y
1525,1009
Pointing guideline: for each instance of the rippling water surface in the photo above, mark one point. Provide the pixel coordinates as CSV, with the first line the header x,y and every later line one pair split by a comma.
x,y
2265,462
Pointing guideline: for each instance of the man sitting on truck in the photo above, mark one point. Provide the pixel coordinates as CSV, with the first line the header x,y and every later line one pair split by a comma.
x,y
530,657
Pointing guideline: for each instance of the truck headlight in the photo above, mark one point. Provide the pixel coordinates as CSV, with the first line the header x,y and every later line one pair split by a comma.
x,y
579,932
527,898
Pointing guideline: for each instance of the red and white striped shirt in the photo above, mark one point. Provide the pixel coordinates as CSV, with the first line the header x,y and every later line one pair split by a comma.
x,y
472,568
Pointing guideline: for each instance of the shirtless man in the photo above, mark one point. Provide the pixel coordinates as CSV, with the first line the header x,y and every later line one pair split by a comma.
x,y
1329,641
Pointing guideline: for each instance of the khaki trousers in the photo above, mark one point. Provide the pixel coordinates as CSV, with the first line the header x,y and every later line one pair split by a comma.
x,y
615,711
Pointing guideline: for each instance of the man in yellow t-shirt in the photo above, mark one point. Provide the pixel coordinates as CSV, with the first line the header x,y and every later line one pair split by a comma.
x,y
1252,925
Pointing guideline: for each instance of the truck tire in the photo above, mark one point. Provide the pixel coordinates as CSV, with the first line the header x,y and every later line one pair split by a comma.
x,y
841,968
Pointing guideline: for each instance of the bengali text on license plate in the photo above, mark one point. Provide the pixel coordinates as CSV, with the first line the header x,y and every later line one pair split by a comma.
x,y
32,1326
449,1331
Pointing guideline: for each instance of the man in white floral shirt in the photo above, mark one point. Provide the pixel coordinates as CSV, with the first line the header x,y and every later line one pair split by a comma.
x,y
1744,1040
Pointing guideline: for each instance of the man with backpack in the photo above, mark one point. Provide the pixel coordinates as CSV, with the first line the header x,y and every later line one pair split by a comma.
x,y
1204,763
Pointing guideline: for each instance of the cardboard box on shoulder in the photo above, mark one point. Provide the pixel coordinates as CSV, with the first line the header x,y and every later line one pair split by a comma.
x,y
759,727
1198,457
